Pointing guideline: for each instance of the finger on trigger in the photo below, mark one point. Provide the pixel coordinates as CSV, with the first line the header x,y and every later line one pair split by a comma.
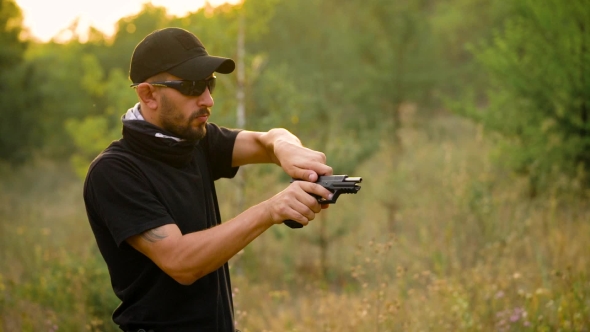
x,y
314,188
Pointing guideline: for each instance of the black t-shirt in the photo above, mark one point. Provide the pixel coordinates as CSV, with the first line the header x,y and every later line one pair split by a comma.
x,y
128,191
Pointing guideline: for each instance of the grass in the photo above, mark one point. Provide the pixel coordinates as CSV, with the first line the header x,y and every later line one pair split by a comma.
x,y
438,239
51,274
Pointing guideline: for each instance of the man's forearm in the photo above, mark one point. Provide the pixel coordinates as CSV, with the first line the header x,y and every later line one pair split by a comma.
x,y
272,140
253,147
191,256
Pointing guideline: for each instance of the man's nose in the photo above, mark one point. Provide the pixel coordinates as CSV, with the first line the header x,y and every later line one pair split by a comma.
x,y
205,99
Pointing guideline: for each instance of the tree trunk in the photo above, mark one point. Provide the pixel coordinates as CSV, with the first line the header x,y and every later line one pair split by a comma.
x,y
241,108
585,116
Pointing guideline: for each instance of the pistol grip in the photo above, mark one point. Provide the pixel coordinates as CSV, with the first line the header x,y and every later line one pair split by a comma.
x,y
292,223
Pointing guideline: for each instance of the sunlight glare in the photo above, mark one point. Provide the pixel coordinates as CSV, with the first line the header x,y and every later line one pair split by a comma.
x,y
46,19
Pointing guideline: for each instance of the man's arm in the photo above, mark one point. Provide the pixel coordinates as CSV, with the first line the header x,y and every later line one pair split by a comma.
x,y
189,257
281,147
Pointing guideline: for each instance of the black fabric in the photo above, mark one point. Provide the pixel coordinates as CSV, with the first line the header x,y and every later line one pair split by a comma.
x,y
141,138
139,183
178,52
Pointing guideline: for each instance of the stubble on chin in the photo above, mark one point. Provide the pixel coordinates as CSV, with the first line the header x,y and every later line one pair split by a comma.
x,y
196,133
173,121
188,131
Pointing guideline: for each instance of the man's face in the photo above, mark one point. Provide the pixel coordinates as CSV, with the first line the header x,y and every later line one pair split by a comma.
x,y
185,116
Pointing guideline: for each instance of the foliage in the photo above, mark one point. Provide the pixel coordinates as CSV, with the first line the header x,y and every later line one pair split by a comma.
x,y
130,31
13,78
94,133
339,80
310,87
539,72
456,25
13,47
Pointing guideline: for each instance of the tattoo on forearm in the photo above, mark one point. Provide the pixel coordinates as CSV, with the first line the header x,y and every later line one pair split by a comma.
x,y
154,235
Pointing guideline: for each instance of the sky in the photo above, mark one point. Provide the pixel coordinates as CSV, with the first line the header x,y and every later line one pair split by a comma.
x,y
46,18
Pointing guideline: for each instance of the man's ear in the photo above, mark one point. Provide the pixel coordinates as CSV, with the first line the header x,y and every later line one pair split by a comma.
x,y
146,93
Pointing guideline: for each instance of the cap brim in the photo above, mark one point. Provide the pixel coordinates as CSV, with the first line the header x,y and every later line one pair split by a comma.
x,y
201,67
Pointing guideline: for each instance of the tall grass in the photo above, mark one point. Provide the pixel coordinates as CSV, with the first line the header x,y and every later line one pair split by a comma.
x,y
52,277
438,239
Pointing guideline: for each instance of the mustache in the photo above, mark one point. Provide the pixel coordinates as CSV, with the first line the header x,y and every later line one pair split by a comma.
x,y
201,112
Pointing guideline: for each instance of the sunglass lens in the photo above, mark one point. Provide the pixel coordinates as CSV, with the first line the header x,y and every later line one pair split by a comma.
x,y
211,84
189,88
196,88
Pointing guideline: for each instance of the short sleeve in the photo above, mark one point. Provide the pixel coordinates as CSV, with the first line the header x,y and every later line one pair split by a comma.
x,y
118,193
219,148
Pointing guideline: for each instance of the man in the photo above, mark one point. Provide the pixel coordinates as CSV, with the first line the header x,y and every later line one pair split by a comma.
x,y
151,201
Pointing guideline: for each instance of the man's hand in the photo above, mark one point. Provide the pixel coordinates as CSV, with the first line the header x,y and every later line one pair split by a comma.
x,y
300,162
281,147
296,203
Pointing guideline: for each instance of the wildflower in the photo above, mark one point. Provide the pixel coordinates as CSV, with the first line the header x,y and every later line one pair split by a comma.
x,y
517,314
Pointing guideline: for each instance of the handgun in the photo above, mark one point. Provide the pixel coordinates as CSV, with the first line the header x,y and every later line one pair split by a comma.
x,y
337,184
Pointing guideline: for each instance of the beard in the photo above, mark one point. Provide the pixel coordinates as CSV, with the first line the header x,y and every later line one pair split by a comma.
x,y
174,121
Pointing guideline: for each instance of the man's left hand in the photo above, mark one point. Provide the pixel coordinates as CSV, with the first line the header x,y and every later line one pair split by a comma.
x,y
300,162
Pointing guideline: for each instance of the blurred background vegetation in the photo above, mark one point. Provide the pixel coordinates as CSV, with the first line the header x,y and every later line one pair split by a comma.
x,y
469,121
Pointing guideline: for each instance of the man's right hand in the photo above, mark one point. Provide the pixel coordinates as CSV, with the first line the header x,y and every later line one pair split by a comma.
x,y
296,203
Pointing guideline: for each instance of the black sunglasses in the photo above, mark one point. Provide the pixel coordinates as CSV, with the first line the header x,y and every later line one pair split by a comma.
x,y
188,88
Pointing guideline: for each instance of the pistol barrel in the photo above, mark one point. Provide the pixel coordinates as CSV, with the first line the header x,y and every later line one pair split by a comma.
x,y
357,179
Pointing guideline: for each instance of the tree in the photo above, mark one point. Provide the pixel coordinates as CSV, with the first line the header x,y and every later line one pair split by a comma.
x,y
539,98
13,48
94,132
317,83
14,84
130,31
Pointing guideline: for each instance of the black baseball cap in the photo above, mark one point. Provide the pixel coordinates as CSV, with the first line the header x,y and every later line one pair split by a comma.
x,y
178,52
